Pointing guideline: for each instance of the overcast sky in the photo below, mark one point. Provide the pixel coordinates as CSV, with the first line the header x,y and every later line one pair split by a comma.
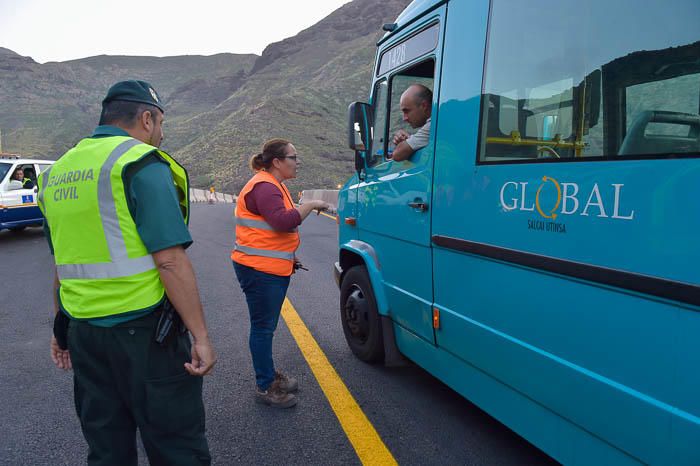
x,y
58,30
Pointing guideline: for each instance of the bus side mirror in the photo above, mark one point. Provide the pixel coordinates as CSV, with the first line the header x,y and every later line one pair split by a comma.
x,y
359,126
359,131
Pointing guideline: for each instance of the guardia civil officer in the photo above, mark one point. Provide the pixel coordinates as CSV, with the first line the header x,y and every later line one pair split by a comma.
x,y
117,210
19,176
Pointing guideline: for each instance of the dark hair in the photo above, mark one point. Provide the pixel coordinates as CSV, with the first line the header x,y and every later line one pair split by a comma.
x,y
125,112
272,149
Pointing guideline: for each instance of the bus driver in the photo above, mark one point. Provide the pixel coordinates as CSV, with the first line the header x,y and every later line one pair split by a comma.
x,y
416,104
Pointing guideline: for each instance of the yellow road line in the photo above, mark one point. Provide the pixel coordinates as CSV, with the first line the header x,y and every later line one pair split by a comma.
x,y
364,438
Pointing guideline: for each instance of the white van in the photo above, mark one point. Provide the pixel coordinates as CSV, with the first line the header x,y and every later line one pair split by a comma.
x,y
18,208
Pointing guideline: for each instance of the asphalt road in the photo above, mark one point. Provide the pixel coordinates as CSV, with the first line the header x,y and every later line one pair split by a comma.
x,y
420,420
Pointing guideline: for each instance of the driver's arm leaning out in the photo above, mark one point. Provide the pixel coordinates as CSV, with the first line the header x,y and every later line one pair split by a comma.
x,y
419,140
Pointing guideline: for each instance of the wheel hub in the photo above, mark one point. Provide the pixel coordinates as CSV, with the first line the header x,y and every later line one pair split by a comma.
x,y
356,314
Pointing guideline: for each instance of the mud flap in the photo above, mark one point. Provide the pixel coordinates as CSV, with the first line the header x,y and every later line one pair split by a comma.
x,y
392,355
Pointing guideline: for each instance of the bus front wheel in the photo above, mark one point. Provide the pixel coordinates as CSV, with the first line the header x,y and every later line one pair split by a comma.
x,y
358,311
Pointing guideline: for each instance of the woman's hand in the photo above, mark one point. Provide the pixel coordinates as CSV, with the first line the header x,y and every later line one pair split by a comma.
x,y
320,206
306,208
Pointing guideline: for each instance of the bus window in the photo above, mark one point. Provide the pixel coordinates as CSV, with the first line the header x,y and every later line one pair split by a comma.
x,y
674,128
588,85
654,95
379,102
420,74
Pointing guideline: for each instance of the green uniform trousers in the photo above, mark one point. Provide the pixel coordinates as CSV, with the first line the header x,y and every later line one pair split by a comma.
x,y
123,380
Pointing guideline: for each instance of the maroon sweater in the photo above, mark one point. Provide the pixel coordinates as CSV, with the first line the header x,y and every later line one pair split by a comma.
x,y
266,199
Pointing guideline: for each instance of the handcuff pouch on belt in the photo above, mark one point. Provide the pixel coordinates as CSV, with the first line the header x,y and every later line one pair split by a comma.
x,y
169,323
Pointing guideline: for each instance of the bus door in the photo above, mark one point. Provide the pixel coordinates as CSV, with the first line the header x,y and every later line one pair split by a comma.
x,y
394,197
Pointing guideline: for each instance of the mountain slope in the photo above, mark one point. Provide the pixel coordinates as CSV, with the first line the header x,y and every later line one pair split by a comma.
x,y
45,109
298,89
219,109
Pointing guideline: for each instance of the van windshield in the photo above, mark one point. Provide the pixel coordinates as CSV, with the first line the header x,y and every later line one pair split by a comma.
x,y
597,78
4,168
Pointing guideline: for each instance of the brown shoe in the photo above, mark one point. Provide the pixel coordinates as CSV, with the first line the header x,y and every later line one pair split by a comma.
x,y
274,396
286,384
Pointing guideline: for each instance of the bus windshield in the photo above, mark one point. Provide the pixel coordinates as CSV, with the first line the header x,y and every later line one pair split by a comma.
x,y
596,79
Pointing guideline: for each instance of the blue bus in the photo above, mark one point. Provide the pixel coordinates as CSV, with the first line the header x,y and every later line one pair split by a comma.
x,y
540,255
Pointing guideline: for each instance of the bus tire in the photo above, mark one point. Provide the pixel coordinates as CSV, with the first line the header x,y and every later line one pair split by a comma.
x,y
362,324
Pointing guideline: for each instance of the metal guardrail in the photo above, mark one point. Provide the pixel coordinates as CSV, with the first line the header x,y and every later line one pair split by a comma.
x,y
200,195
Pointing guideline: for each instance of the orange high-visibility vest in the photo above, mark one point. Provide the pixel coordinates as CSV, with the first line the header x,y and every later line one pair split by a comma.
x,y
258,245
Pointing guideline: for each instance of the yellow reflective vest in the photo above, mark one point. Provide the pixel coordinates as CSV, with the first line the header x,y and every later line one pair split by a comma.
x,y
103,266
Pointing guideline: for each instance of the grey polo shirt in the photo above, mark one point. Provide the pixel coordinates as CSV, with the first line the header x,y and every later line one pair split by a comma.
x,y
420,139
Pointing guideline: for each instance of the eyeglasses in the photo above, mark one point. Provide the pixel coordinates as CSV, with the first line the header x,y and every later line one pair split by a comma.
x,y
293,157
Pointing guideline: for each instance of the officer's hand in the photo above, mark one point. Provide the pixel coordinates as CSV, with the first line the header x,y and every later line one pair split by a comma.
x,y
203,358
60,357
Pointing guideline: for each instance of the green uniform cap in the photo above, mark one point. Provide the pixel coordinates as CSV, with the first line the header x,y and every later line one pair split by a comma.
x,y
134,91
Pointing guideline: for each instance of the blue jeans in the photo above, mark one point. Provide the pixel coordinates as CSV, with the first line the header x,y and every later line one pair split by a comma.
x,y
265,294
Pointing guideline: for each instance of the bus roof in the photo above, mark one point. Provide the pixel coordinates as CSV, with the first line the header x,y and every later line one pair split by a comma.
x,y
415,9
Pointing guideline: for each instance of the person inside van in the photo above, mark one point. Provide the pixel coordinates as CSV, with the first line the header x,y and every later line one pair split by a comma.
x,y
416,104
19,176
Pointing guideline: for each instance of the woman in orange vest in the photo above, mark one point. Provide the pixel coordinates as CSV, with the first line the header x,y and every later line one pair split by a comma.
x,y
263,258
